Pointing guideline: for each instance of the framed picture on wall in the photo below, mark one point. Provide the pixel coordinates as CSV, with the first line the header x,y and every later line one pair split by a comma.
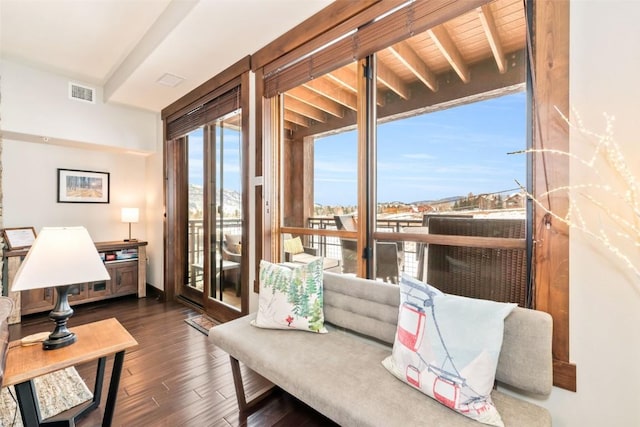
x,y
79,186
19,237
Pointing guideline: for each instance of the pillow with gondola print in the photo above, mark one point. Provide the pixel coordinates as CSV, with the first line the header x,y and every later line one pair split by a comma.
x,y
291,297
447,346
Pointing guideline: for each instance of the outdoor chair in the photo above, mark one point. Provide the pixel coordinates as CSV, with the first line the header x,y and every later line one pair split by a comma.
x,y
389,255
348,247
232,251
388,262
495,274
295,252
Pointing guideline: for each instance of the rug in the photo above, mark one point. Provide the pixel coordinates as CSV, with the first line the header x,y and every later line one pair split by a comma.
x,y
201,323
57,392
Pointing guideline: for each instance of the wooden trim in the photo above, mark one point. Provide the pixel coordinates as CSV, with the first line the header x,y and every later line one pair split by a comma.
x,y
564,375
204,90
245,102
318,232
436,239
550,131
258,173
320,23
167,270
453,240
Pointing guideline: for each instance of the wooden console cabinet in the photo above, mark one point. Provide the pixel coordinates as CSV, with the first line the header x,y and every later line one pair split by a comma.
x,y
125,261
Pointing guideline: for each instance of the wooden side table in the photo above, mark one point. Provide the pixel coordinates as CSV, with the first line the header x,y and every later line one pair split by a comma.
x,y
96,341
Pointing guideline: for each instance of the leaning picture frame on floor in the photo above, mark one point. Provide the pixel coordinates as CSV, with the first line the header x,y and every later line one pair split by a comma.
x,y
81,186
19,237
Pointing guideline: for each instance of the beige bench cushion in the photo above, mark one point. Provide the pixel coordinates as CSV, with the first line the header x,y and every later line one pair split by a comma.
x,y
340,375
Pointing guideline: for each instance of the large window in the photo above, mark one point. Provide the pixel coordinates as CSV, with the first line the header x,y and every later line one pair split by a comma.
x,y
367,151
421,61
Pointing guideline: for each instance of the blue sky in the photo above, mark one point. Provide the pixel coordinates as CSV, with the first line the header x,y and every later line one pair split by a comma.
x,y
446,153
231,158
442,154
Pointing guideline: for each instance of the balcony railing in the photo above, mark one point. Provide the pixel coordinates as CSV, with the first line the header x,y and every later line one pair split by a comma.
x,y
196,245
330,246
507,263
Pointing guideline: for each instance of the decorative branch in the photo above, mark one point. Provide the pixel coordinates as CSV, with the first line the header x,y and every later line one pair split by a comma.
x,y
625,218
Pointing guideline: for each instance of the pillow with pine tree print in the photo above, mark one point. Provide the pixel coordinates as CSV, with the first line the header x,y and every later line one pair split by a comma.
x,y
291,297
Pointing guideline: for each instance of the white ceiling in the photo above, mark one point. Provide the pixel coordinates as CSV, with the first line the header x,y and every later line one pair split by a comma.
x,y
125,46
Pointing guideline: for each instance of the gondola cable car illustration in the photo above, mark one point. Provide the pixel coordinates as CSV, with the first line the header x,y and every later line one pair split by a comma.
x,y
447,385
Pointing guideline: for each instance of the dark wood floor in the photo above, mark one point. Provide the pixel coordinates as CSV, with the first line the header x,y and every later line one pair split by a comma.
x,y
175,377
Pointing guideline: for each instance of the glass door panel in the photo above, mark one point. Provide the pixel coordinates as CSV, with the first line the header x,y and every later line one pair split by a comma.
x,y
214,217
226,216
193,286
319,156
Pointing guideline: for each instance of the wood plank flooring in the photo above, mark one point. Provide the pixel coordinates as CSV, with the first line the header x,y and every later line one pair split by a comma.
x,y
175,377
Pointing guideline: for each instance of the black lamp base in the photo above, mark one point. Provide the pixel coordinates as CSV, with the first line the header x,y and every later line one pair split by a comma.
x,y
61,336
52,344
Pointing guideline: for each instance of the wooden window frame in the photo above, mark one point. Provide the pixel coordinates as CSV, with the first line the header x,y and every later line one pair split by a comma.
x,y
235,76
549,49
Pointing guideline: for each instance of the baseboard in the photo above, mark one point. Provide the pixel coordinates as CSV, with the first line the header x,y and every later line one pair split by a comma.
x,y
153,292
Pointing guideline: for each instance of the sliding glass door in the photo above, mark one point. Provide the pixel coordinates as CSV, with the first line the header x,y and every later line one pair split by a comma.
x,y
214,214
206,203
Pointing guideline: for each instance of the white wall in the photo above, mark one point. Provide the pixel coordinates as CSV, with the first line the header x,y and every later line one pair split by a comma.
x,y
124,141
605,295
154,199
35,102
30,189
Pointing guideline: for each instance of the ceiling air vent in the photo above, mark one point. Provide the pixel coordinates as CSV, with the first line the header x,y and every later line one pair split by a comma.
x,y
82,93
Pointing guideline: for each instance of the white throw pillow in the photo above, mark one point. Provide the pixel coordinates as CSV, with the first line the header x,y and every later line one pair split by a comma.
x,y
448,346
291,297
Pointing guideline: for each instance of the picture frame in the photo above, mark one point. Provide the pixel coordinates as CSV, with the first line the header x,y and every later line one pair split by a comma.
x,y
82,186
19,237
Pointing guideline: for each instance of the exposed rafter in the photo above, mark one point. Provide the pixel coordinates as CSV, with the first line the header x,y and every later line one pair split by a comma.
x,y
316,100
304,109
417,74
296,118
489,25
410,59
345,77
448,48
325,87
392,81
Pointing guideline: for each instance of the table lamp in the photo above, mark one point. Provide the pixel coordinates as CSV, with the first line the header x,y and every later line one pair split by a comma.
x,y
60,257
130,215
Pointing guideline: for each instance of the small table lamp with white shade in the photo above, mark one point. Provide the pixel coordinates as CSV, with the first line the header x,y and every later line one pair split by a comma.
x,y
60,257
130,215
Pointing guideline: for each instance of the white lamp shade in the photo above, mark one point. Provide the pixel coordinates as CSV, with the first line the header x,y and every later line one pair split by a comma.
x,y
60,256
130,215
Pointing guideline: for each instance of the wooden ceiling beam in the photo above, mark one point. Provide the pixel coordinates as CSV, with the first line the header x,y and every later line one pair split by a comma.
x,y
410,59
391,80
346,78
491,31
447,47
302,108
486,84
316,100
328,89
289,126
296,118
